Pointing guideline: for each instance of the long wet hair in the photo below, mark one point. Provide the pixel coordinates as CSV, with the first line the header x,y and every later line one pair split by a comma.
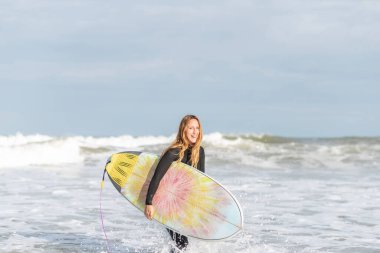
x,y
183,143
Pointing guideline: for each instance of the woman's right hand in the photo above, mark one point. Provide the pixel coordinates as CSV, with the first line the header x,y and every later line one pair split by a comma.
x,y
149,211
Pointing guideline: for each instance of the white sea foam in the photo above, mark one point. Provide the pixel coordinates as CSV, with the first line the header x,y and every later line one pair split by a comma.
x,y
297,195
24,150
20,139
261,151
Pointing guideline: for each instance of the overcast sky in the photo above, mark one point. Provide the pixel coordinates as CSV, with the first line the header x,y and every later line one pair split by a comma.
x,y
91,67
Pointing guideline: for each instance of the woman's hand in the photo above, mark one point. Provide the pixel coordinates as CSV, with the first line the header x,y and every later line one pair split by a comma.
x,y
149,211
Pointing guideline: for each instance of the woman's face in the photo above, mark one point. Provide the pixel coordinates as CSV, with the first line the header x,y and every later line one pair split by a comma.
x,y
192,131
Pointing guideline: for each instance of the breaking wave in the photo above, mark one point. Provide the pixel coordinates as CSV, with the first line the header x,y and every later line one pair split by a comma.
x,y
262,151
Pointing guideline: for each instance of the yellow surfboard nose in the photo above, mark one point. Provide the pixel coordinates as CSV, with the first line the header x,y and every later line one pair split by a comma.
x,y
119,167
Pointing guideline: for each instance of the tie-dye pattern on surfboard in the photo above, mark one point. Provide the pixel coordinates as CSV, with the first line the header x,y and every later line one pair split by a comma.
x,y
186,200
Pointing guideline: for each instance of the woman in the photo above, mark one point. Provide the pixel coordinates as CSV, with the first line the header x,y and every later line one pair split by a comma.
x,y
186,148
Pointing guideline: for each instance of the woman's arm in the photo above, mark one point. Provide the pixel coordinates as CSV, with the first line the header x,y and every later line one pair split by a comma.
x,y
162,166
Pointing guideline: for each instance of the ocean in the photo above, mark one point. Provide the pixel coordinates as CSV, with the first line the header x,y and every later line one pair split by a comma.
x,y
297,194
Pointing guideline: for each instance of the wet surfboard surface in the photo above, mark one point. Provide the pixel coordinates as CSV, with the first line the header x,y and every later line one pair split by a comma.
x,y
186,201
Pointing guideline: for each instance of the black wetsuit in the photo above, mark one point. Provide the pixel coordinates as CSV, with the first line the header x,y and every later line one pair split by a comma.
x,y
163,165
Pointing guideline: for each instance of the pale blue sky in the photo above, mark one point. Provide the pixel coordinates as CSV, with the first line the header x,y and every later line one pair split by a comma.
x,y
291,68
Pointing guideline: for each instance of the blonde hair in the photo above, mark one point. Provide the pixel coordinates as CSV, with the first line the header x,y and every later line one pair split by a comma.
x,y
182,142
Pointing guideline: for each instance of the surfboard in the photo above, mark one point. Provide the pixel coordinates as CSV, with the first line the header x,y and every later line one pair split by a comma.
x,y
187,201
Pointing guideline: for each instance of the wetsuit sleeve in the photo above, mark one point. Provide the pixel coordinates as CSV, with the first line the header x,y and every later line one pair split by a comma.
x,y
202,160
162,166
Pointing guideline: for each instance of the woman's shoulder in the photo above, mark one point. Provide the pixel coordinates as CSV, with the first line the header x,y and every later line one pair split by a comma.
x,y
176,150
173,151
201,150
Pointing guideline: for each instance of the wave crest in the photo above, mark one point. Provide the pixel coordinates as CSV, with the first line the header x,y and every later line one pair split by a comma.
x,y
253,150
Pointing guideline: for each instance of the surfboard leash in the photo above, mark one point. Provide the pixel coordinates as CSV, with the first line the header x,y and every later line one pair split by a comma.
x,y
100,210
